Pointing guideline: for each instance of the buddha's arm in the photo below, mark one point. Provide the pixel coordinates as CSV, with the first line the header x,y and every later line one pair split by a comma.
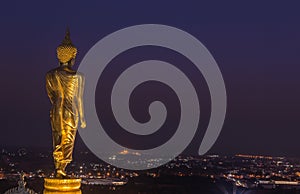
x,y
49,88
80,101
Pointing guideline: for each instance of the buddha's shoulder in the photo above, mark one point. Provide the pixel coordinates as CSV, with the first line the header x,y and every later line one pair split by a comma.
x,y
52,71
61,72
80,74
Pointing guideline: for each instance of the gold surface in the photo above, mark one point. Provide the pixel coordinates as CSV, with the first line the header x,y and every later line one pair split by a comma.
x,y
65,90
62,192
66,50
53,185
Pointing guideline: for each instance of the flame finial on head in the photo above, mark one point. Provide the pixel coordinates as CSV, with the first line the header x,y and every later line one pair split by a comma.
x,y
66,50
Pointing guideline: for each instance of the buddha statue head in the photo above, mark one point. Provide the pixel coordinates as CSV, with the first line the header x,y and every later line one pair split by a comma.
x,y
66,51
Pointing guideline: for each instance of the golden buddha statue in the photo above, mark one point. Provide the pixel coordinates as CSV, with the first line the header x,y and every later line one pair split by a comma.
x,y
65,89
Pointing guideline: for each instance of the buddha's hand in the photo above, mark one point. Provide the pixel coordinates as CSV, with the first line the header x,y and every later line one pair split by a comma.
x,y
83,123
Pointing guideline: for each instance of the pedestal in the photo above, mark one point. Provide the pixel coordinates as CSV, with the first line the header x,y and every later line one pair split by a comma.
x,y
62,185
62,192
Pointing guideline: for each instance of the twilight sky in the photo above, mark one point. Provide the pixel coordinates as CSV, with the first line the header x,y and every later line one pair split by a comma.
x,y
256,46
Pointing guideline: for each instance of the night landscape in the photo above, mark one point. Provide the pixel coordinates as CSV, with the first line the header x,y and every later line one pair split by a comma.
x,y
251,147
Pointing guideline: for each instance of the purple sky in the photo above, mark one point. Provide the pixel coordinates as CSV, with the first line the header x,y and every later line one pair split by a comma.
x,y
256,45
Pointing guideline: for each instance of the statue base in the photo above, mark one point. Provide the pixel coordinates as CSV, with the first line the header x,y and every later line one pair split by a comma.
x,y
62,192
65,185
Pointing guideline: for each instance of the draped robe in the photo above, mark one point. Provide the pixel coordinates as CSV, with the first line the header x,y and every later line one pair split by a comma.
x,y
64,89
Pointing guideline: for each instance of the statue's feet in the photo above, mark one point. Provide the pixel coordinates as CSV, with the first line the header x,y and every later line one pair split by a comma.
x,y
61,174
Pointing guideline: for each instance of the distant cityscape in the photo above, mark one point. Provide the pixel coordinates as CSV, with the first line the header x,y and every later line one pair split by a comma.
x,y
185,174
